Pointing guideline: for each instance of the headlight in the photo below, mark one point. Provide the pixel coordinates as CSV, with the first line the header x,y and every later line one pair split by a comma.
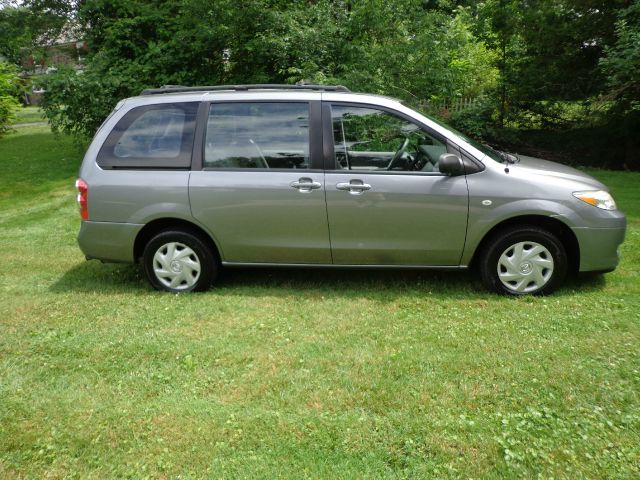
x,y
597,198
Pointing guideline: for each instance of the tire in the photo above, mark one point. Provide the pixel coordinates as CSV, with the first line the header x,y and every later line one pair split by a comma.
x,y
525,260
179,261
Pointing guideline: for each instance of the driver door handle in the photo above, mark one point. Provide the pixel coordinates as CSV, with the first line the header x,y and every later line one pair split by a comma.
x,y
305,185
354,187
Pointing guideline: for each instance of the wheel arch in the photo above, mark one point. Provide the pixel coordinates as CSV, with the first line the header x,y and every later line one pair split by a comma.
x,y
551,224
155,226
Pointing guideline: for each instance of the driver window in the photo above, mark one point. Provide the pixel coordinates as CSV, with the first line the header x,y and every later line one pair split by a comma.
x,y
371,139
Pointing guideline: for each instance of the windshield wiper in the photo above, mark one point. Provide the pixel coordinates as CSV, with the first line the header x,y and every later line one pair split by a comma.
x,y
513,157
504,156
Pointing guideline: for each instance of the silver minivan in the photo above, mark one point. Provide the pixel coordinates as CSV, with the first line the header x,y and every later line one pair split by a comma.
x,y
189,179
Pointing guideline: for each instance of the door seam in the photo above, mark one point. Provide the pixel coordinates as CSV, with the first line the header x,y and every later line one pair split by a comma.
x,y
326,212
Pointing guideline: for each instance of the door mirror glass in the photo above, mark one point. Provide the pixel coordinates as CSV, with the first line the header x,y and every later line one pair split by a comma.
x,y
450,164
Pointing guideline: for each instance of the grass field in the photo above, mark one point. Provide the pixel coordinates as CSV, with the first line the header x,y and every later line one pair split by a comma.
x,y
31,114
300,374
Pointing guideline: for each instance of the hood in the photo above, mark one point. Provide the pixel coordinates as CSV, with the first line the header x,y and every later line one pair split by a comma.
x,y
538,166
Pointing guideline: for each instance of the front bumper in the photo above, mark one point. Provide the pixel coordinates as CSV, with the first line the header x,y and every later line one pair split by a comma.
x,y
109,242
599,247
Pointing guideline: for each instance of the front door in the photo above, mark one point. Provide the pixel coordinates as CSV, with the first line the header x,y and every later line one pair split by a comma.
x,y
257,192
387,203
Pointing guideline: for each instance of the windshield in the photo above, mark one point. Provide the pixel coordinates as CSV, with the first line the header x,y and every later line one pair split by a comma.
x,y
488,151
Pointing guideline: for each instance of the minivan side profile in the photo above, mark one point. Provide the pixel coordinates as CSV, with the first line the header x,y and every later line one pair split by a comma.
x,y
187,180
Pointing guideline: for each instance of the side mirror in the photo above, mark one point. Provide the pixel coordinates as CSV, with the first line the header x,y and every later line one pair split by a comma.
x,y
450,164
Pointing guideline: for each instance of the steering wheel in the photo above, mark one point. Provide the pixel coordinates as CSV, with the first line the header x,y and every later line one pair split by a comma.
x,y
398,155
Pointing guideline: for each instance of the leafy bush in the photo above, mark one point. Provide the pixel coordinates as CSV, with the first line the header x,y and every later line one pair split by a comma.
x,y
9,89
477,121
78,103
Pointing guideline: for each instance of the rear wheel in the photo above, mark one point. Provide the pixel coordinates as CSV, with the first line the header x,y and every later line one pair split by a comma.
x,y
523,260
179,261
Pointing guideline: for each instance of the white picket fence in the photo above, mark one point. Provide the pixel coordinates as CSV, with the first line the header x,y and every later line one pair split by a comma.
x,y
447,107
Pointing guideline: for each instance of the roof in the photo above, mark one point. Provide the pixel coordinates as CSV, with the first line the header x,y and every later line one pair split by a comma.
x,y
242,88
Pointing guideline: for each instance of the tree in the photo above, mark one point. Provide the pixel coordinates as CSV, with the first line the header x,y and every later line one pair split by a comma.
x,y
412,50
622,67
621,62
9,89
397,47
28,28
548,50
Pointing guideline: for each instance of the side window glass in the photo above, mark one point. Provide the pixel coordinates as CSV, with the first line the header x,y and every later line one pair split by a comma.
x,y
154,134
257,135
375,140
151,136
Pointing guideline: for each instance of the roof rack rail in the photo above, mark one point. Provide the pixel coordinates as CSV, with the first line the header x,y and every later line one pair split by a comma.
x,y
268,86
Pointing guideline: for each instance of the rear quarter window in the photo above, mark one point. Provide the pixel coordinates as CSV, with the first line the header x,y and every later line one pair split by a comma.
x,y
151,136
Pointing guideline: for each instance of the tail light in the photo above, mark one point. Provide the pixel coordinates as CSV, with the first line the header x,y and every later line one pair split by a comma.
x,y
83,194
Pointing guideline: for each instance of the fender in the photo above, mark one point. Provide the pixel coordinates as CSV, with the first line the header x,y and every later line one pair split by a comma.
x,y
481,222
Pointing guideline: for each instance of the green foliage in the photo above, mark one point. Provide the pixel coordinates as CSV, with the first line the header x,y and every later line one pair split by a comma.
x,y
30,26
9,89
14,31
79,103
477,121
549,49
622,60
423,54
372,46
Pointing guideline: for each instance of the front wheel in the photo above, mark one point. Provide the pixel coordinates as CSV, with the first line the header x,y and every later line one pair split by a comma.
x,y
523,260
179,261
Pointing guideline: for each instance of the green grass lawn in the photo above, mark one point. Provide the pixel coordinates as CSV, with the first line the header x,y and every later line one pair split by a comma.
x,y
300,374
30,114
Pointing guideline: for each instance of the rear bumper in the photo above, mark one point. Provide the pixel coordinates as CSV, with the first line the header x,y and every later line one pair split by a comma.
x,y
109,242
599,247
